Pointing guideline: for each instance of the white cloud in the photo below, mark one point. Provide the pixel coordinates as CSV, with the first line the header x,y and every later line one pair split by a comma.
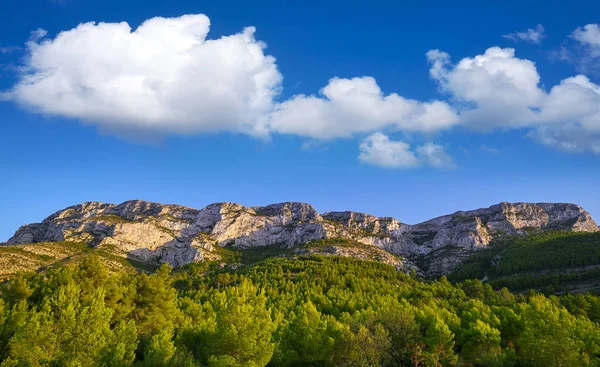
x,y
348,106
587,55
535,35
433,155
8,49
488,149
314,145
496,89
499,90
165,77
588,35
377,149
562,54
575,100
567,138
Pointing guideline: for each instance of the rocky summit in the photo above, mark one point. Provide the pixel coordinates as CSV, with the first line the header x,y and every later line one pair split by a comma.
x,y
154,233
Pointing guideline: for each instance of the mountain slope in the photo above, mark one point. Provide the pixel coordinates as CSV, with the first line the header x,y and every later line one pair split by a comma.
x,y
552,261
153,233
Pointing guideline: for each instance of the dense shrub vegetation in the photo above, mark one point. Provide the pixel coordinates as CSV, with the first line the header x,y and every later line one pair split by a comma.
x,y
319,311
551,259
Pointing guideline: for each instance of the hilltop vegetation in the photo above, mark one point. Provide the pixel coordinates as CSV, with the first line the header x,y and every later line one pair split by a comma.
x,y
554,261
40,256
316,311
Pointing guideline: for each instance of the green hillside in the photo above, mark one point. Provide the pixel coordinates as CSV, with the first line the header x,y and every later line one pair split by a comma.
x,y
313,311
44,255
552,261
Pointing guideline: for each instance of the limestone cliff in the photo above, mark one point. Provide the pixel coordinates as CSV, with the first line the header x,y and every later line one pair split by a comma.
x,y
157,233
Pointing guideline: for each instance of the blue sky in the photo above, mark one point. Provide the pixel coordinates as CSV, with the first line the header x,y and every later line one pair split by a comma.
x,y
344,108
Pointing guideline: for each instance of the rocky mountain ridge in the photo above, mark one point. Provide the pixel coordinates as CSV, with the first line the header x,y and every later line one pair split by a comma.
x,y
157,233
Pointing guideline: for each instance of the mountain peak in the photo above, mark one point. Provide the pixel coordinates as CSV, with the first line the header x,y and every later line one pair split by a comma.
x,y
155,233
297,210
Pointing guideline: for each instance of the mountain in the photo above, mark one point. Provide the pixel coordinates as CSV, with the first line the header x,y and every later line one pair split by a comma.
x,y
148,234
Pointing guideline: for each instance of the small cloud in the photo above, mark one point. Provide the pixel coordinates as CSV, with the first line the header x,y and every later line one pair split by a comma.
x,y
4,97
562,54
379,150
312,145
586,53
433,155
37,35
588,35
535,35
9,49
489,149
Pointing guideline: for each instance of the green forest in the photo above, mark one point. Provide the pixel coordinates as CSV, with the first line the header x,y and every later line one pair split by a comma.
x,y
314,311
550,261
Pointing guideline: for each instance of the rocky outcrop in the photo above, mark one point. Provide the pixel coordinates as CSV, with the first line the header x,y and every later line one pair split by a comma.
x,y
157,233
449,239
366,222
153,232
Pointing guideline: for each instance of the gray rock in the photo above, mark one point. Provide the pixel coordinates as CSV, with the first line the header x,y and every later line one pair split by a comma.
x,y
158,233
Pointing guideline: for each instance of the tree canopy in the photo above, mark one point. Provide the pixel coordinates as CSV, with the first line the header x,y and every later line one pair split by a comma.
x,y
317,311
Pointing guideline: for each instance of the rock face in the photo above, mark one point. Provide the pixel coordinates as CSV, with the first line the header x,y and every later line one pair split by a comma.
x,y
157,233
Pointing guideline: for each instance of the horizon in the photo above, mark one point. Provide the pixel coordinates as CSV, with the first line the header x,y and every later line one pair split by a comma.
x,y
393,110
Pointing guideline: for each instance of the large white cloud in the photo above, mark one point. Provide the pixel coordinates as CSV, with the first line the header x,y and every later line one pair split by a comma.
x,y
348,106
495,88
379,150
166,77
498,90
163,77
